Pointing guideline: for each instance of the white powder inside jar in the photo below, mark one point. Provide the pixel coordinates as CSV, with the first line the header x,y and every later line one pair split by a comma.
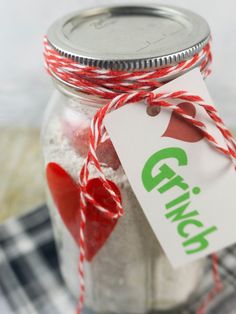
x,y
130,273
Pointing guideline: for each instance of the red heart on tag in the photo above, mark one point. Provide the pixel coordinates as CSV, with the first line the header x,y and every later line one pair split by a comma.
x,y
179,128
66,195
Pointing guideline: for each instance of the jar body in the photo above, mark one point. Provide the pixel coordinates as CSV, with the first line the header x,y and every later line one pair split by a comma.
x,y
129,272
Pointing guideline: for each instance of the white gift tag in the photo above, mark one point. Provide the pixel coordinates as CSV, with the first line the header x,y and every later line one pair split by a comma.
x,y
185,187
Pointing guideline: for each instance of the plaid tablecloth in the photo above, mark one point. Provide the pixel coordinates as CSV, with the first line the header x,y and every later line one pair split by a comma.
x,y
30,281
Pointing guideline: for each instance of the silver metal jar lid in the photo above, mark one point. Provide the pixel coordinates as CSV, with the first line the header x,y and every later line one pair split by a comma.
x,y
130,37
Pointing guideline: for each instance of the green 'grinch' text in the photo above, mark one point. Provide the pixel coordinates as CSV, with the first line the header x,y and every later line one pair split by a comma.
x,y
188,223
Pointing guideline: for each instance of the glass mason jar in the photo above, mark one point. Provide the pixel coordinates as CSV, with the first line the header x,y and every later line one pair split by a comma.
x,y
129,273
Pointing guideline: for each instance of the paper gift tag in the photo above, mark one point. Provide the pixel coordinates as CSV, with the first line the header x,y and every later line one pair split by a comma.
x,y
185,187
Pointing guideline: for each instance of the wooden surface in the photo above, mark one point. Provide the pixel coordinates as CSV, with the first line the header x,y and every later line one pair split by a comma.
x,y
22,182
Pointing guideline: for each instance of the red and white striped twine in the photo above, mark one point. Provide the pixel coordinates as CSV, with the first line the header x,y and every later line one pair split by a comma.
x,y
122,88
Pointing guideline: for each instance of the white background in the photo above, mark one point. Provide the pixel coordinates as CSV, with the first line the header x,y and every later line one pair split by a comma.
x,y
25,87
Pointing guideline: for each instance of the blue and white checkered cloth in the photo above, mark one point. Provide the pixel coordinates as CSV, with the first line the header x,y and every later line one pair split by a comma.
x,y
30,280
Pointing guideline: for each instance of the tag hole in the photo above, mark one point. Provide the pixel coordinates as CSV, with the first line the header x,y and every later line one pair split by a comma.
x,y
153,111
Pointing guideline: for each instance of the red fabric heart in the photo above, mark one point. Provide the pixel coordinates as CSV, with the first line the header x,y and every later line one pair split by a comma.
x,y
66,195
181,129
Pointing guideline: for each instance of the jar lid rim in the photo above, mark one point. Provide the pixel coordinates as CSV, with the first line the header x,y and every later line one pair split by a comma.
x,y
130,37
